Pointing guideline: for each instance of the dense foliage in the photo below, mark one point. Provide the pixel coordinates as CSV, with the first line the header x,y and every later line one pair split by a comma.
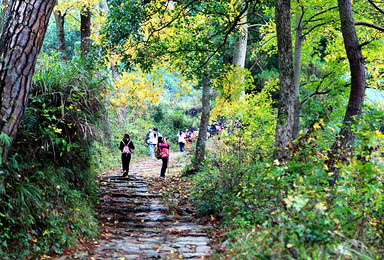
x,y
290,211
48,189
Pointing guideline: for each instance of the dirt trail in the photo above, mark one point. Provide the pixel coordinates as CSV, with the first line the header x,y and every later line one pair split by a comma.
x,y
136,222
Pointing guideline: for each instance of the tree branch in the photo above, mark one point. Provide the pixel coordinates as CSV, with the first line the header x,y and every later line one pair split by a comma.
x,y
371,25
232,28
317,91
314,27
254,25
377,8
311,19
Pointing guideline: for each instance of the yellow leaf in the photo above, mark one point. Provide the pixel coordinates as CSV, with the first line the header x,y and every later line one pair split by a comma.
x,y
321,206
316,126
276,161
289,201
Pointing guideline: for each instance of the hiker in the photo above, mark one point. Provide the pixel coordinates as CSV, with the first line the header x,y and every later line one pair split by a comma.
x,y
147,141
156,133
163,146
126,147
153,141
186,148
181,137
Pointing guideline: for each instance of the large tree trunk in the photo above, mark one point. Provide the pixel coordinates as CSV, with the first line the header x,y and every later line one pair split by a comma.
x,y
287,100
59,19
241,48
85,30
357,68
358,84
296,75
204,120
20,43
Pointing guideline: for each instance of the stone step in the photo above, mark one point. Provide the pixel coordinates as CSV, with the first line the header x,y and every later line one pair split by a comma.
x,y
139,225
131,195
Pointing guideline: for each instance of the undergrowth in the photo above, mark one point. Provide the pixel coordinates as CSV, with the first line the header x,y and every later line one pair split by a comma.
x,y
285,211
48,188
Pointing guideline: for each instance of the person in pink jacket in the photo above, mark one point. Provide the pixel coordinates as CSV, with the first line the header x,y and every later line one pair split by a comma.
x,y
163,146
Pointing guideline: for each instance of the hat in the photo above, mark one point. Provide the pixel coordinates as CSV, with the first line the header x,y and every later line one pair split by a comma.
x,y
155,129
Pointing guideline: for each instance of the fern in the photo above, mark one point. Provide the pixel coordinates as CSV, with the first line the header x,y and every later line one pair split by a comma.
x,y
13,164
2,187
28,197
29,120
5,140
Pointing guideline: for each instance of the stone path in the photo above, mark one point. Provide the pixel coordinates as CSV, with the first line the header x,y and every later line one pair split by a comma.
x,y
138,225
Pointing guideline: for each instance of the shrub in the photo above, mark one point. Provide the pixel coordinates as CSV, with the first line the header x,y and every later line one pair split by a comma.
x,y
47,187
290,211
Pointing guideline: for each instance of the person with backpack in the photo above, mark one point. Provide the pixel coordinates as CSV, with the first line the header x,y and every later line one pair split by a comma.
x,y
153,139
163,146
126,147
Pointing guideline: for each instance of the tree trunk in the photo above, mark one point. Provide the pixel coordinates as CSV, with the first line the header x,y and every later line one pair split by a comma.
x,y
59,19
357,68
20,43
358,83
104,5
241,48
296,75
287,103
202,138
85,30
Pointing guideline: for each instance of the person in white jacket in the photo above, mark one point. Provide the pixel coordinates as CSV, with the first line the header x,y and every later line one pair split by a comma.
x,y
181,140
153,137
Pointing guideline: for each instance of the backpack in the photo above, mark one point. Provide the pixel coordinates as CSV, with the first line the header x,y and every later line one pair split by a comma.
x,y
126,148
157,152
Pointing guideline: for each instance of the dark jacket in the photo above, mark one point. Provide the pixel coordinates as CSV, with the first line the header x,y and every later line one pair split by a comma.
x,y
124,143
